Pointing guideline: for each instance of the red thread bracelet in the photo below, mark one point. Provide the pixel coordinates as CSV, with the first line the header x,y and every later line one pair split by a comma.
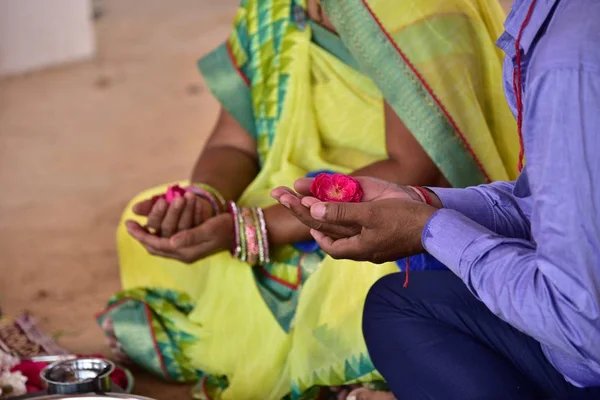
x,y
425,193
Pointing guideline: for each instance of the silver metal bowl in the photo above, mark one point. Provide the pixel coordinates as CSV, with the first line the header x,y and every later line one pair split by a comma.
x,y
83,375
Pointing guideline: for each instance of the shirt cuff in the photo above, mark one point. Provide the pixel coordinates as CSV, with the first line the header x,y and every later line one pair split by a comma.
x,y
469,202
447,235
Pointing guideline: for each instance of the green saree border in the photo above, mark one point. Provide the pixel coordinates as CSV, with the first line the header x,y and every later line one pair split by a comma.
x,y
153,362
406,91
142,326
229,85
353,369
332,44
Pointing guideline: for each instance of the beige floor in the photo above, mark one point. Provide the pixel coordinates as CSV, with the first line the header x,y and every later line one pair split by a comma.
x,y
77,142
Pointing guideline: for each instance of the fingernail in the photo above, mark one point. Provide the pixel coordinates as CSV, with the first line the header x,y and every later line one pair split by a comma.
x,y
285,204
318,210
352,397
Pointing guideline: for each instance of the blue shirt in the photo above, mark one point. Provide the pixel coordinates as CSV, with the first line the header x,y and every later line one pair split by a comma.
x,y
530,249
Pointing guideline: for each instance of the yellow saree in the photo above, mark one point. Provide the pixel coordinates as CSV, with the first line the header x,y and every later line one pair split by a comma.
x,y
312,103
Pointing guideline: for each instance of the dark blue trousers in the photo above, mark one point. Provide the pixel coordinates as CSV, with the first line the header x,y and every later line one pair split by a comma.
x,y
435,340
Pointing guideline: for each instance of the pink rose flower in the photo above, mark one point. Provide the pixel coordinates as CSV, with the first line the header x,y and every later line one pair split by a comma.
x,y
172,192
336,188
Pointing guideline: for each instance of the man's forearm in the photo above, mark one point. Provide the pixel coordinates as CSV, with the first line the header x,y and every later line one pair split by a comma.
x,y
492,206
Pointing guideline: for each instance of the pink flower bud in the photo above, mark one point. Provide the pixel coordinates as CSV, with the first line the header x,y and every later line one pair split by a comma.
x,y
171,194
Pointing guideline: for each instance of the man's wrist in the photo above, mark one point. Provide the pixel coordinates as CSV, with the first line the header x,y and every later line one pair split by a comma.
x,y
424,214
427,196
435,200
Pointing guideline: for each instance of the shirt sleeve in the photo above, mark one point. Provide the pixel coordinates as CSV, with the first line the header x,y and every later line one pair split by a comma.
x,y
493,206
548,287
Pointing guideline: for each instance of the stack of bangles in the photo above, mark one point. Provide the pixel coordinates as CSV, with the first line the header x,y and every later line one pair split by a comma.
x,y
251,241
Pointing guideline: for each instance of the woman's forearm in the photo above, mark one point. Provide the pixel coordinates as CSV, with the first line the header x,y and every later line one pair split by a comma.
x,y
227,169
283,228
400,173
229,161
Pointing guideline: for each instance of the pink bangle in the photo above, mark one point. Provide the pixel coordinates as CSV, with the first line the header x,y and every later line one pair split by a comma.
x,y
217,209
237,246
251,237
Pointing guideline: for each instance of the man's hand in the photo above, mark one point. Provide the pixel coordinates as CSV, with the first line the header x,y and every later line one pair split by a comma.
x,y
387,230
212,236
299,203
373,188
385,226
184,213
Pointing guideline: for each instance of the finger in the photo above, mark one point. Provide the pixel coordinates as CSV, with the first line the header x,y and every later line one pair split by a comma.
x,y
160,253
344,248
289,199
198,211
302,186
146,238
135,229
142,235
361,394
207,209
186,221
282,191
342,394
343,213
169,224
278,192
157,214
143,208
303,214
309,201
196,236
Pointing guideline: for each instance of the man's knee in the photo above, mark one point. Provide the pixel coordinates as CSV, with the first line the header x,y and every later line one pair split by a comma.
x,y
384,302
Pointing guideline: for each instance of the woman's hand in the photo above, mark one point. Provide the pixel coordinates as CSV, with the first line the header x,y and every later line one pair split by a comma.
x,y
184,213
213,236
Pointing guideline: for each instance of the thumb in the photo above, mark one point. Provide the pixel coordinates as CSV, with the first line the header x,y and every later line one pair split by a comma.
x,y
302,186
200,234
189,238
341,213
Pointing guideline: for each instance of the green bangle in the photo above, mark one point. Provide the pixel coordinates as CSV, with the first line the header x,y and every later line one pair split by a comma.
x,y
215,193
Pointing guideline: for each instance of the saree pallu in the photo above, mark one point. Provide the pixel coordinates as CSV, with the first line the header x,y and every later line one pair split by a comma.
x,y
312,103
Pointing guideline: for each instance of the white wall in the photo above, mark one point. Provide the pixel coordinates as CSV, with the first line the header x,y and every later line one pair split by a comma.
x,y
39,33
